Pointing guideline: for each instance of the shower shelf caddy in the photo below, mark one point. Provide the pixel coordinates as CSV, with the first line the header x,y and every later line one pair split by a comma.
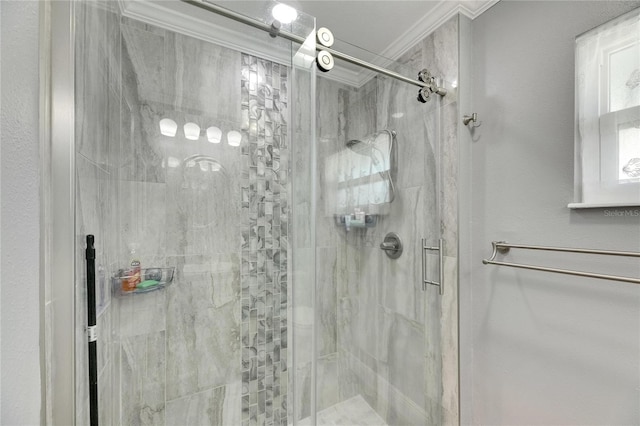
x,y
370,221
164,277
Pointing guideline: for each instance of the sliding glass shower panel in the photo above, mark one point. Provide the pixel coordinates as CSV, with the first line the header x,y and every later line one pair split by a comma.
x,y
98,159
239,203
184,152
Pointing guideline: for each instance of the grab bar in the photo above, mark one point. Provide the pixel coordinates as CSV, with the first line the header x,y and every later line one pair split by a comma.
x,y
503,247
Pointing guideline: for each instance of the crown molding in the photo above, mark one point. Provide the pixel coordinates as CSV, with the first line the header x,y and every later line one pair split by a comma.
x,y
438,15
190,21
474,8
182,18
162,14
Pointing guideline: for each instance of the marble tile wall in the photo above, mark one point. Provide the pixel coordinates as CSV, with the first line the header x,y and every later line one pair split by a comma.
x,y
441,50
396,345
374,311
159,361
212,347
97,133
330,133
180,347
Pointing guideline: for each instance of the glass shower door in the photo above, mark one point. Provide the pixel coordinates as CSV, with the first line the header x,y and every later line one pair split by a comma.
x,y
184,174
239,202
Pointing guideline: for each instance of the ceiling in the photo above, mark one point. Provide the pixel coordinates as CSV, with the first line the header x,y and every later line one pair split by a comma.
x,y
382,26
370,30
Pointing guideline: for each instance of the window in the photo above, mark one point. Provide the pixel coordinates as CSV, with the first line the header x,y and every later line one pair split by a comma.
x,y
608,114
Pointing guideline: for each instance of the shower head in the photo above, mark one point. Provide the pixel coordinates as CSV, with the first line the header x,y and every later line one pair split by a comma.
x,y
360,147
379,150
364,148
370,145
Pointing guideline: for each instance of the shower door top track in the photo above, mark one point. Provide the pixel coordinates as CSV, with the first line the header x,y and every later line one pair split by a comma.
x,y
207,5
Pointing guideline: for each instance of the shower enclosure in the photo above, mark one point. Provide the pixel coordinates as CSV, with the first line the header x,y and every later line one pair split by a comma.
x,y
239,200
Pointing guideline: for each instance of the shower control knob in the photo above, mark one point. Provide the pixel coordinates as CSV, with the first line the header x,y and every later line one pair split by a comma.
x,y
392,245
424,94
325,37
324,61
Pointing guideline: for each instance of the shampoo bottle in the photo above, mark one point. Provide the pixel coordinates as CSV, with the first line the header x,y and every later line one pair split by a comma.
x,y
134,273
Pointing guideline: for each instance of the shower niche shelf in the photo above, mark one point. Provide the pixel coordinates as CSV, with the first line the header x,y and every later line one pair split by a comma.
x,y
349,221
151,279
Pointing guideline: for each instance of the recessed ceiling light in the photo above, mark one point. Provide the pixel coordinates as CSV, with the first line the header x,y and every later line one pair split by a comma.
x,y
284,13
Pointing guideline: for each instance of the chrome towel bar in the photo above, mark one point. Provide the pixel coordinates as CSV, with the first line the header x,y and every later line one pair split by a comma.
x,y
503,247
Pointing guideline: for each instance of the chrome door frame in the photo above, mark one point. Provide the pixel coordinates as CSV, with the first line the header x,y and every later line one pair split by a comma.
x,y
58,207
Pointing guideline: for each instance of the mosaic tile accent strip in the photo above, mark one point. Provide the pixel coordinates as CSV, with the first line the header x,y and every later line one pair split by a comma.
x,y
264,242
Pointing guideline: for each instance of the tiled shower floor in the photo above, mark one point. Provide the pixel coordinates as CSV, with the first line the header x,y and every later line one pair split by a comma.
x,y
352,412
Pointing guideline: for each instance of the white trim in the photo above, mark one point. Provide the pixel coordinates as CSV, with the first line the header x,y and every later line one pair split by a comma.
x,y
62,254
163,15
170,16
603,205
478,9
436,16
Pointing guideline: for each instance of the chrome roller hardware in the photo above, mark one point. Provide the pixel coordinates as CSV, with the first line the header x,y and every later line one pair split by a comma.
x,y
424,94
324,61
298,39
425,76
325,37
275,29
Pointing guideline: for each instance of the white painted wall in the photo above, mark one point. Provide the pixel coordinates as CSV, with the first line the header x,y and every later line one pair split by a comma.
x,y
539,348
19,215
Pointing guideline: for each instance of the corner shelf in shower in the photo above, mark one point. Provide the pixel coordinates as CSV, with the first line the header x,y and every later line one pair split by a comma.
x,y
164,277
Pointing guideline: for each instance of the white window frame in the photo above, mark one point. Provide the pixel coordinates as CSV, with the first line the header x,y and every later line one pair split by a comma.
x,y
597,182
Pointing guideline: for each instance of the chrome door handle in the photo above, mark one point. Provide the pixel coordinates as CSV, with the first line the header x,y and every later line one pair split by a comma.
x,y
440,250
